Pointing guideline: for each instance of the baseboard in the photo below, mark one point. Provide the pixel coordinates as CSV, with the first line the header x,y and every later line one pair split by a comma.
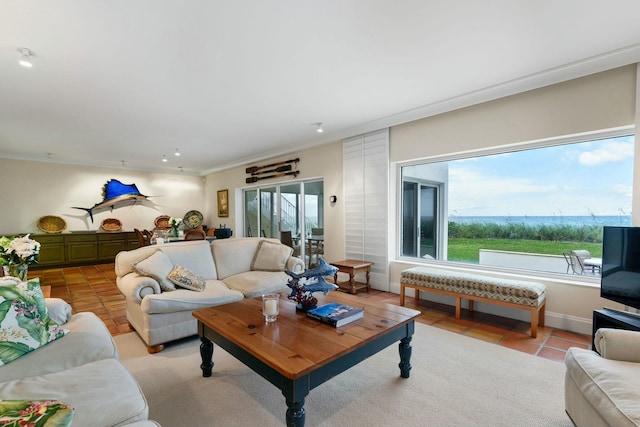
x,y
563,321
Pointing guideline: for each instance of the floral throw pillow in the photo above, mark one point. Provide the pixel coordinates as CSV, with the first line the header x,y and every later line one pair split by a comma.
x,y
24,322
45,413
186,278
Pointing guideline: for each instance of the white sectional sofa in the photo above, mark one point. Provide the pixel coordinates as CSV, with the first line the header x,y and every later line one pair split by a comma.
x,y
604,389
232,269
80,369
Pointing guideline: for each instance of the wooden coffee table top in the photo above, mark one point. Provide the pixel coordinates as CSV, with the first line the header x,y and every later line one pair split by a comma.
x,y
295,345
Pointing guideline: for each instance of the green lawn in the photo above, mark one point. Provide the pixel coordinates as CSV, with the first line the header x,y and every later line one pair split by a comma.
x,y
468,250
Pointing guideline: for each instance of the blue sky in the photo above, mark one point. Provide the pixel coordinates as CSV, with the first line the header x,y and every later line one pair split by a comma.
x,y
589,178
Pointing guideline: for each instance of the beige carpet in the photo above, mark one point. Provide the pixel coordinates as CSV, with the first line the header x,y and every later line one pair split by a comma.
x,y
455,381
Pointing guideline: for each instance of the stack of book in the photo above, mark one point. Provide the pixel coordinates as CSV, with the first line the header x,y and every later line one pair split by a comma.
x,y
336,314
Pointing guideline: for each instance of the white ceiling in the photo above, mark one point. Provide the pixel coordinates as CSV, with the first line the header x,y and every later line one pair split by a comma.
x,y
234,82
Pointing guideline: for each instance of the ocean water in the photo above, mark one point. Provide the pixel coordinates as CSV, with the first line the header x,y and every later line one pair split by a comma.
x,y
624,220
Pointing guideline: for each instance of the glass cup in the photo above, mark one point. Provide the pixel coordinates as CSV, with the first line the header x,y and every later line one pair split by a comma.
x,y
270,309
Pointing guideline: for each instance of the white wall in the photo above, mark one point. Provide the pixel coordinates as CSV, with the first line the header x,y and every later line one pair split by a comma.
x,y
320,162
35,189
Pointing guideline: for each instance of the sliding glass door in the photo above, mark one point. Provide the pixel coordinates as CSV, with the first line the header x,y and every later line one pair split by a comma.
x,y
296,207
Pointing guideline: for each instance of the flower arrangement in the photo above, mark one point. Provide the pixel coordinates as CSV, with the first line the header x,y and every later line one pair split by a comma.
x,y
175,223
19,250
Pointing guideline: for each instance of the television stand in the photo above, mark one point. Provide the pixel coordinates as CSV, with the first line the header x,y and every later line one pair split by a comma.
x,y
616,319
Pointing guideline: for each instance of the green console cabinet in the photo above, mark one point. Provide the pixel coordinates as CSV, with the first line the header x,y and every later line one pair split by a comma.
x,y
51,249
82,247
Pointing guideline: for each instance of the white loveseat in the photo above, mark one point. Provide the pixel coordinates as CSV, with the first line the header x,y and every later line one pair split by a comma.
x,y
232,269
81,369
604,389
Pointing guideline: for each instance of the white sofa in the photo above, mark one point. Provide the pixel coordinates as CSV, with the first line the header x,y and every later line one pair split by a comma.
x,y
604,389
80,369
232,269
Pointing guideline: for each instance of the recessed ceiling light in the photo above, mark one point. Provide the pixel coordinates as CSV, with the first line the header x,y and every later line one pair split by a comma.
x,y
177,153
25,58
319,127
164,158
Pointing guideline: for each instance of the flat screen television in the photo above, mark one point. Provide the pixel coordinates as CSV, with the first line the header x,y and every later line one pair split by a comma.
x,y
620,280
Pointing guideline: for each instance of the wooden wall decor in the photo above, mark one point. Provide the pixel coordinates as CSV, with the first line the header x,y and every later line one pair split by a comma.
x,y
273,170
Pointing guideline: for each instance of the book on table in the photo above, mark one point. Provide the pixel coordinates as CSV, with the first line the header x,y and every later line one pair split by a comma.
x,y
336,314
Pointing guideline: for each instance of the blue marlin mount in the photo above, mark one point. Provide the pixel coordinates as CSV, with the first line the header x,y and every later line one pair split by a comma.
x,y
113,193
303,285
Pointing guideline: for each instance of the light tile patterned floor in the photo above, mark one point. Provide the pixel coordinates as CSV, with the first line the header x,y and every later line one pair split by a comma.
x,y
93,288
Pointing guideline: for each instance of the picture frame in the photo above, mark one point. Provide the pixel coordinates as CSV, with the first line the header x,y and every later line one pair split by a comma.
x,y
223,203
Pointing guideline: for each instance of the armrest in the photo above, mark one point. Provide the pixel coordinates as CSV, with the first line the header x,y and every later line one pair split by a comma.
x,y
618,344
295,265
58,309
135,286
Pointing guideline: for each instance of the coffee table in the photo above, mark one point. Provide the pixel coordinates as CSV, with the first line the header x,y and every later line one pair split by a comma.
x,y
296,353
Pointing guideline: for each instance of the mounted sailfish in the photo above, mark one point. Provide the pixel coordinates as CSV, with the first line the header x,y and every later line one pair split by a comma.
x,y
114,192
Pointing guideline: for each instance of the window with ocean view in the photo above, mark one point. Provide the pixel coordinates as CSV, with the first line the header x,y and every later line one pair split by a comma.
x,y
528,208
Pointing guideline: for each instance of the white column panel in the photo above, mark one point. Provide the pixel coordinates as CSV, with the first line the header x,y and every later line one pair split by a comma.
x,y
366,188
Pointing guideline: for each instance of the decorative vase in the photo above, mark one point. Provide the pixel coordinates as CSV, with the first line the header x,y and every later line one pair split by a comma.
x,y
16,270
175,232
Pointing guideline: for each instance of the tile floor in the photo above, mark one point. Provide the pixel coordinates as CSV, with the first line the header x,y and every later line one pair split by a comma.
x,y
93,288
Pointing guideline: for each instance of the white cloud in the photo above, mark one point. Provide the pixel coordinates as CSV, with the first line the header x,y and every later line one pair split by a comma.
x,y
609,152
622,189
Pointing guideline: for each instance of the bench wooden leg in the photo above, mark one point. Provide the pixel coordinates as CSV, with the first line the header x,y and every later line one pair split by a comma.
x,y
401,294
416,295
458,306
470,305
542,311
534,322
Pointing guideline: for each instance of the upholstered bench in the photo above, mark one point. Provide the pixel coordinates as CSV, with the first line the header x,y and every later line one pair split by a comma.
x,y
475,287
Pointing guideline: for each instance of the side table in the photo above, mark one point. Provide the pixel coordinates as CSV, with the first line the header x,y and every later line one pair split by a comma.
x,y
352,267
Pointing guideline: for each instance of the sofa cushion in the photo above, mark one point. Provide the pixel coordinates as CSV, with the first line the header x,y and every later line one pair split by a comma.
x,y
194,255
88,341
271,256
158,266
186,279
24,321
606,385
126,259
96,401
256,283
234,256
215,293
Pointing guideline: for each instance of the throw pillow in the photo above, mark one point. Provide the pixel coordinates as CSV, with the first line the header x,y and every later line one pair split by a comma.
x,y
24,321
157,266
36,413
186,278
271,256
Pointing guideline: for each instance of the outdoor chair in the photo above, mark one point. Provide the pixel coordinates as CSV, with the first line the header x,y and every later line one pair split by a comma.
x,y
287,239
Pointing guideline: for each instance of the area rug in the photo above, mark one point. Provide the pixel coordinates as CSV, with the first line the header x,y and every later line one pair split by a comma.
x,y
455,381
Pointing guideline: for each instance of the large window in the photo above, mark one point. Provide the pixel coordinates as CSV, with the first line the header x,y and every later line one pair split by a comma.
x,y
524,208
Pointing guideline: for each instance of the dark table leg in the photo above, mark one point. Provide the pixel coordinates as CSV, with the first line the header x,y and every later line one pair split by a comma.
x,y
405,356
295,413
206,353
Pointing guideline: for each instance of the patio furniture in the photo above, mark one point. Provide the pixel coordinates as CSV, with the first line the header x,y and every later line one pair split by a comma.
x,y
287,239
581,260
